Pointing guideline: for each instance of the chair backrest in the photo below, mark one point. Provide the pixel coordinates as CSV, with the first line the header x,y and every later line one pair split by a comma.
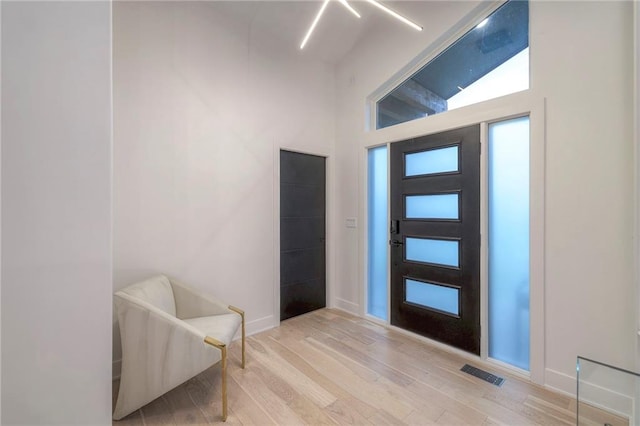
x,y
156,291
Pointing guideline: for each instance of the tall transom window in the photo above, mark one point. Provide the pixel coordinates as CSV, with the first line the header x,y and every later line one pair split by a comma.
x,y
489,61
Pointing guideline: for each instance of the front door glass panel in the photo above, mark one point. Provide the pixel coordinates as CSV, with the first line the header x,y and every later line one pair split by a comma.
x,y
433,161
432,296
436,206
436,252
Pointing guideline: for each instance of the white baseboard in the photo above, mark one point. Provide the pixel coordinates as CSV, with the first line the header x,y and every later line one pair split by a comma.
x,y
345,305
560,382
600,397
260,324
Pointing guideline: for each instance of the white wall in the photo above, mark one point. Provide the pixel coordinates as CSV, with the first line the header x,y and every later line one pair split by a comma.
x,y
590,267
56,213
202,103
581,62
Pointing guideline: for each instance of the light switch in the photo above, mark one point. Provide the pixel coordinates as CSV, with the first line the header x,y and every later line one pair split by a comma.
x,y
352,222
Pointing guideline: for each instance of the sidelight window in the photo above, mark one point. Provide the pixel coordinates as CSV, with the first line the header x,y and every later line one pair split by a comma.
x,y
509,241
377,232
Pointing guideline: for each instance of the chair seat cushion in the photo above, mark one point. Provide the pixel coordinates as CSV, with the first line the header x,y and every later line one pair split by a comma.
x,y
220,327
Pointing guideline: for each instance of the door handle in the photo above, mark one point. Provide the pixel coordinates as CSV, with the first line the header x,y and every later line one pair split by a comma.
x,y
395,243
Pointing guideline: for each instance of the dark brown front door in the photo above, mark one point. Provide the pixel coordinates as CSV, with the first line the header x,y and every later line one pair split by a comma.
x,y
435,237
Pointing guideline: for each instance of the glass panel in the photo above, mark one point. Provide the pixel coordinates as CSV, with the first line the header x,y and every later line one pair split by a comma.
x,y
510,77
432,296
489,61
441,206
441,160
377,233
607,395
439,252
509,241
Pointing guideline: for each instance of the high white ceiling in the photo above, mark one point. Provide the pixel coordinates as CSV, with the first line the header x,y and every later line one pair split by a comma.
x,y
337,32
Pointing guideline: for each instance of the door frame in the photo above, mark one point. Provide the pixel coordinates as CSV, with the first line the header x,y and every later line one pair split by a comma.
x,y
329,240
510,106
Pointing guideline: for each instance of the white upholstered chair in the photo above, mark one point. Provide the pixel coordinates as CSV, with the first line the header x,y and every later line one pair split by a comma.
x,y
170,333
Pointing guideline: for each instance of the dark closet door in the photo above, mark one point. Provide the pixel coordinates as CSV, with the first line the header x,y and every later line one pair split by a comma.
x,y
302,233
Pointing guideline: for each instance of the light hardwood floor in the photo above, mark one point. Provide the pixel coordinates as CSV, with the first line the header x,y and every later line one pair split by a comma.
x,y
328,367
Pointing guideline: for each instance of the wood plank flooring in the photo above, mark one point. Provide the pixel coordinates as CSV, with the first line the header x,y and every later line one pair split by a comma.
x,y
328,367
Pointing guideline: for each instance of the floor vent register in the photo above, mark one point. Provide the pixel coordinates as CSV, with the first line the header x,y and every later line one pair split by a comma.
x,y
481,374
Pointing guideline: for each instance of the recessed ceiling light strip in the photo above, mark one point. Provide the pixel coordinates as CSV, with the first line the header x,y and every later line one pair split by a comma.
x,y
348,6
395,15
315,22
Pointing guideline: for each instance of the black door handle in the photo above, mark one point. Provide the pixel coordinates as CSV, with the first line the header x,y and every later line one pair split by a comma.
x,y
395,243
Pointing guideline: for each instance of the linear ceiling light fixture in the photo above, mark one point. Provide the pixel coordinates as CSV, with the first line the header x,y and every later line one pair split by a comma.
x,y
315,22
349,8
395,15
346,4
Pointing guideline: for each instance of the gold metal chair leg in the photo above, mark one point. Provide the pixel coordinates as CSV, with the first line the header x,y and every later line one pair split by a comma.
x,y
224,384
243,338
241,312
223,349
